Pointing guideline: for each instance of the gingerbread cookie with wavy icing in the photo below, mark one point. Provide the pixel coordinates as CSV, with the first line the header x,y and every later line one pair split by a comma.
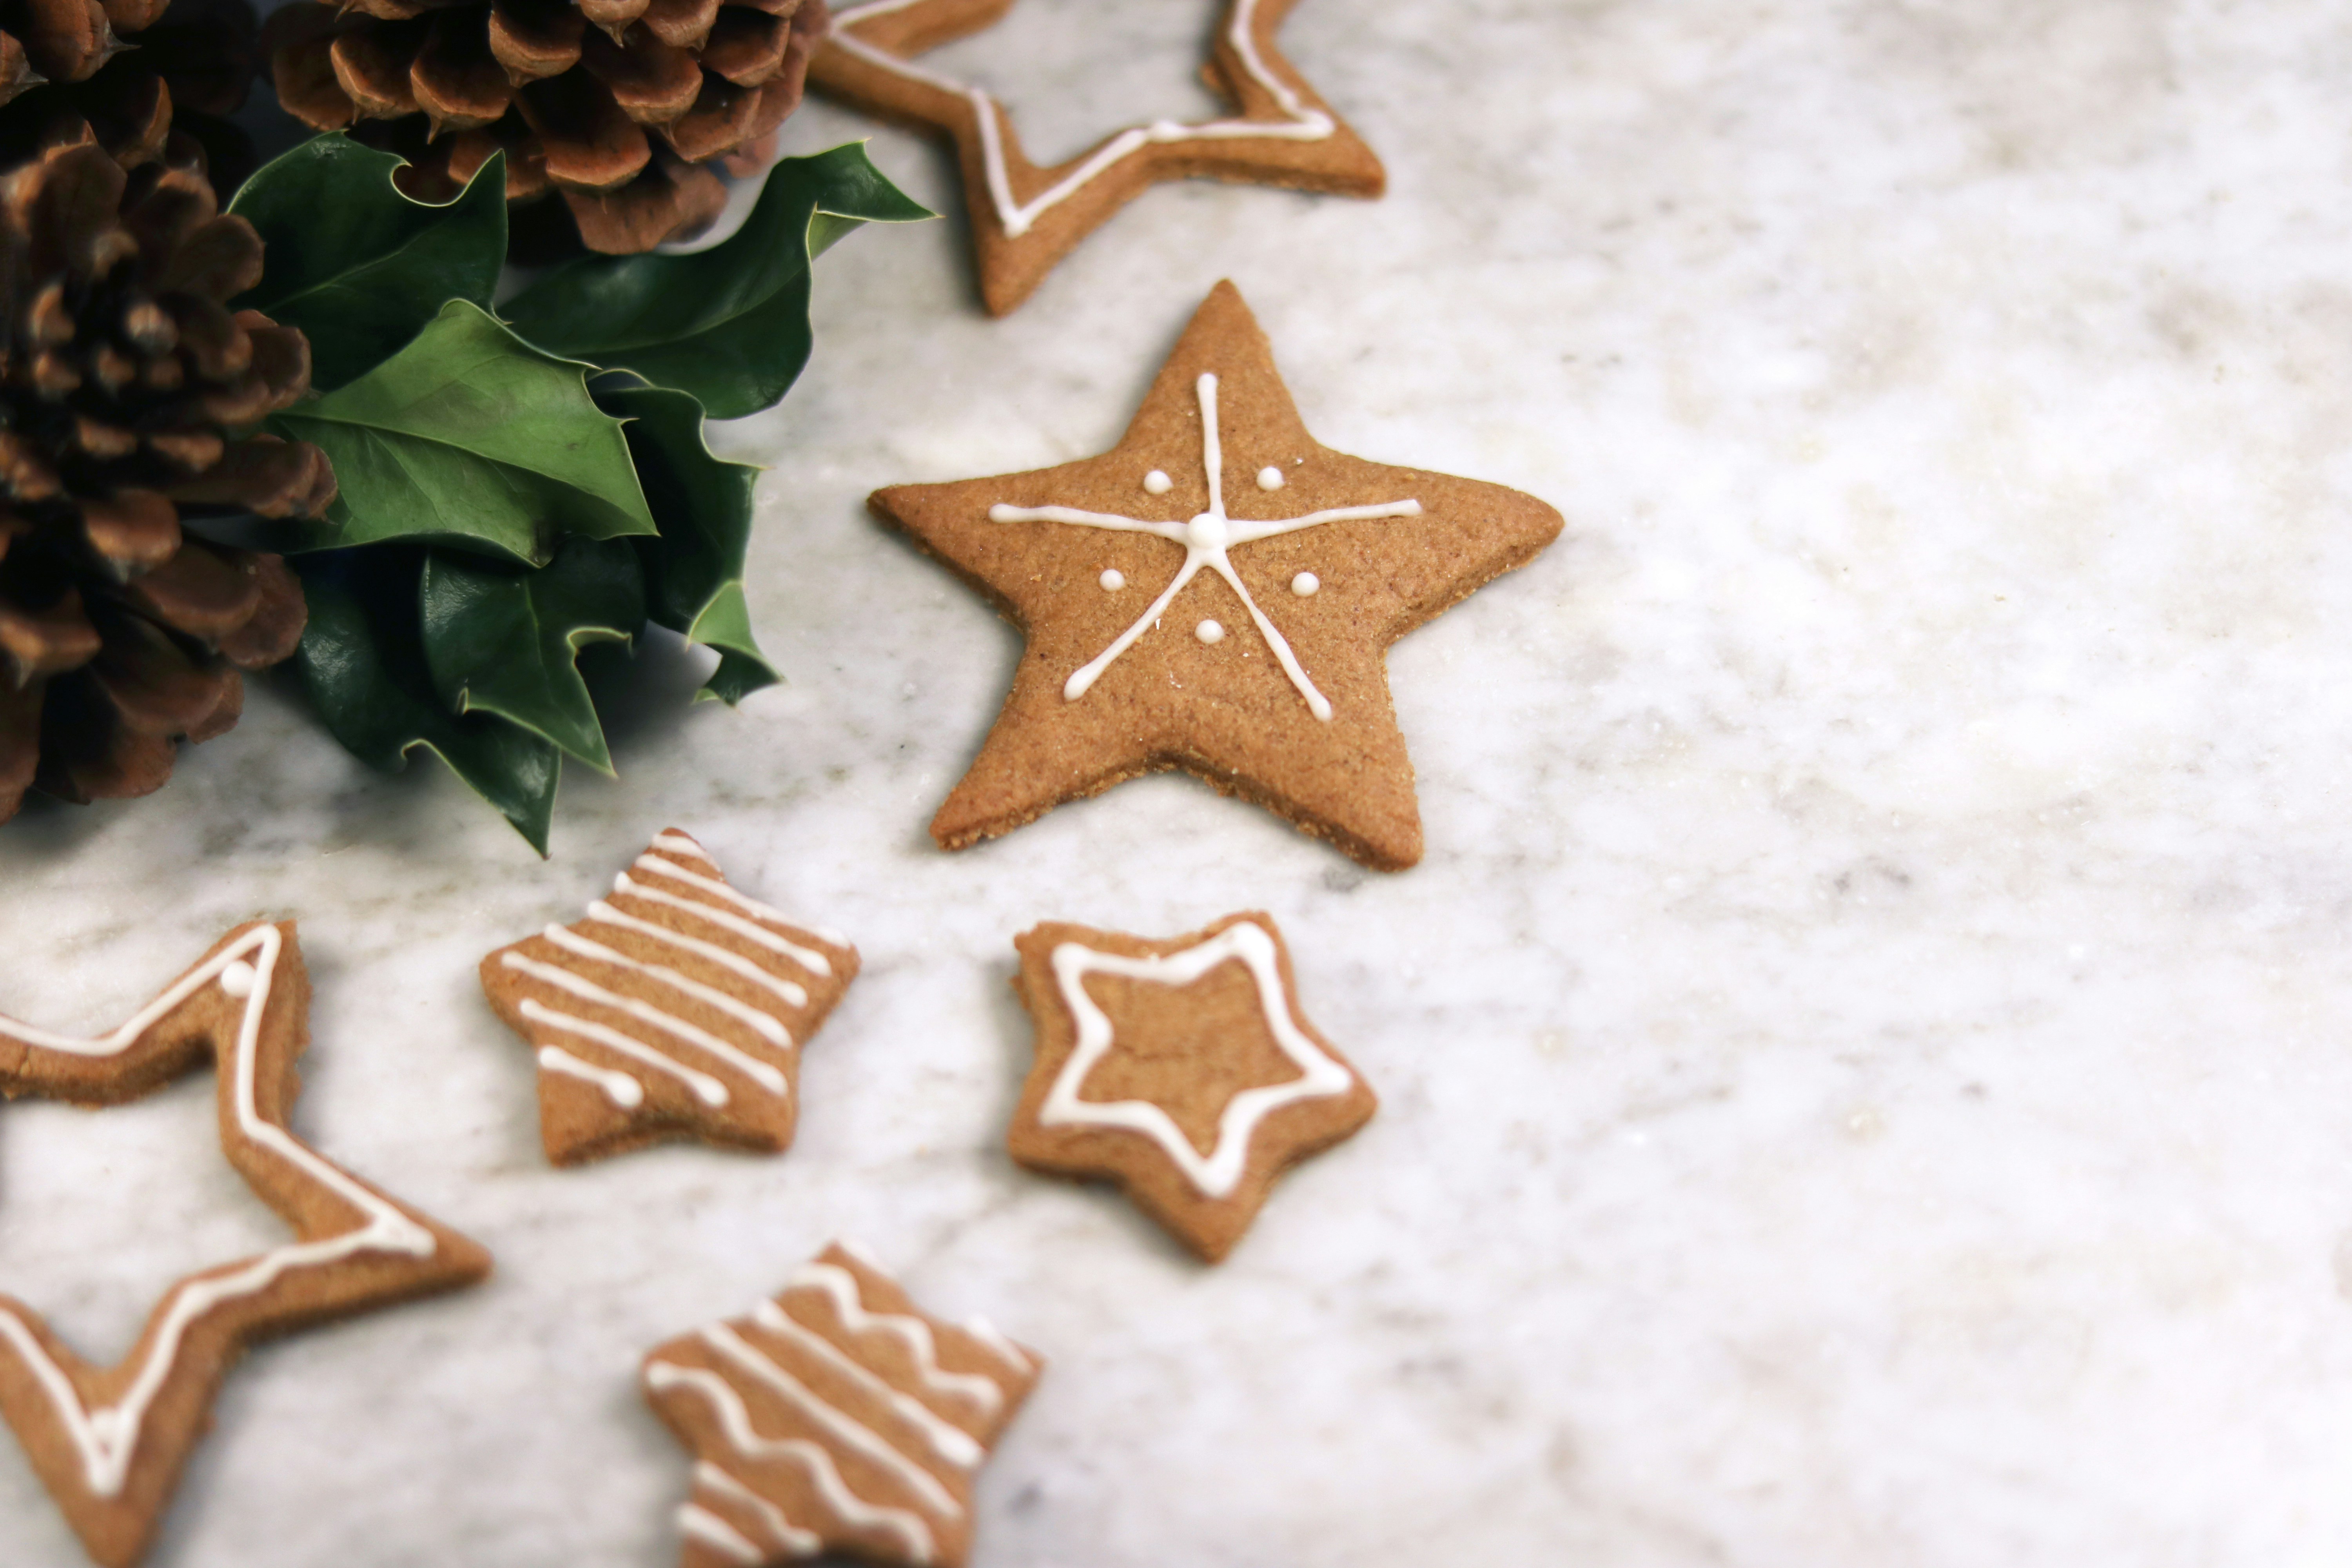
x,y
110,1442
1184,1070
835,1418
1216,593
674,1008
1024,219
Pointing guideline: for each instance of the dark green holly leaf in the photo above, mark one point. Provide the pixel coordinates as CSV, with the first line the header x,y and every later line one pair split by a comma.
x,y
694,570
471,438
361,659
728,324
503,639
358,267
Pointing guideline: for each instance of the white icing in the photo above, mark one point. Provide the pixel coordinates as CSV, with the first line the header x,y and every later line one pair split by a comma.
x,y
619,1087
767,1075
845,1428
680,844
764,1025
735,1421
725,958
782,1531
807,958
953,1443
1209,632
849,1306
708,1089
1269,478
238,980
107,1439
1157,483
1305,584
1112,579
994,1338
1300,123
1221,1172
1206,539
717,1533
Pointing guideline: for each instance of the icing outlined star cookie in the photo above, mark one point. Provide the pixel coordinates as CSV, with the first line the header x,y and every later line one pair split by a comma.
x,y
1026,218
836,1417
1183,1070
110,1442
1215,593
676,1007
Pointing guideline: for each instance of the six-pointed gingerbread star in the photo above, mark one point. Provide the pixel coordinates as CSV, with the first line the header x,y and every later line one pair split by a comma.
x,y
1026,218
110,1441
1215,593
1184,1070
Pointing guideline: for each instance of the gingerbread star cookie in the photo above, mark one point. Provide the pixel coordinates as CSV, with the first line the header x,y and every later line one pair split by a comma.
x,y
1215,593
835,1418
1026,218
676,1008
109,1441
1184,1070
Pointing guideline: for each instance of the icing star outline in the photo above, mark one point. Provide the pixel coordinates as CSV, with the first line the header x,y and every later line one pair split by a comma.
x,y
1024,219
1290,708
110,1442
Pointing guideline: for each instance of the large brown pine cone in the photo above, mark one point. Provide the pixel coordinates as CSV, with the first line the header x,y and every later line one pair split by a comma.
x,y
166,91
124,383
617,106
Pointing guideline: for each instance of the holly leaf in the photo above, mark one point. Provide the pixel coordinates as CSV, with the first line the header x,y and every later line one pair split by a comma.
x,y
730,324
694,570
472,438
505,641
358,267
361,660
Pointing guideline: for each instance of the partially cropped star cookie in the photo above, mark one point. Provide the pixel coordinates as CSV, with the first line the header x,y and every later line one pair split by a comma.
x,y
1026,218
110,1441
676,1007
1184,1070
835,1418
1215,593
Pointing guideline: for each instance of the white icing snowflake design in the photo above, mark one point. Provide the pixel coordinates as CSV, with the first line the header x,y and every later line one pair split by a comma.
x,y
1206,540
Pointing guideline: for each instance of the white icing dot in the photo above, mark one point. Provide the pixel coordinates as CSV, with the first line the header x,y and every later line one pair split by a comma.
x,y
1304,584
1157,483
1113,580
238,979
1209,632
1269,478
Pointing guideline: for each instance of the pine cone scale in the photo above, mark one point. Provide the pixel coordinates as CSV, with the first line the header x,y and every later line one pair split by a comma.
x,y
534,43
40,642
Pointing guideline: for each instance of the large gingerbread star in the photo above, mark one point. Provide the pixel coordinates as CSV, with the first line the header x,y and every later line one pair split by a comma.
x,y
1026,218
1215,593
108,1442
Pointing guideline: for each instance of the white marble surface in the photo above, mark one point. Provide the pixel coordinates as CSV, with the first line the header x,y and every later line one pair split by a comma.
x,y
1863,1060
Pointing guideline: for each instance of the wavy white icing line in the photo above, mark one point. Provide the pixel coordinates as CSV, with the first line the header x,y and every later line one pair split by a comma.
x,y
708,1089
680,844
717,1534
108,1438
808,958
993,1338
1300,123
1221,1172
764,1025
845,1429
749,929
952,1444
605,914
767,1075
1206,540
849,1305
782,1533
619,1088
735,1421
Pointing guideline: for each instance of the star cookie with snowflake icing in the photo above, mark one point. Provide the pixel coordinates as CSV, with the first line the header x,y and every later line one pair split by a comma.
x,y
110,1442
1024,219
1184,1070
1216,593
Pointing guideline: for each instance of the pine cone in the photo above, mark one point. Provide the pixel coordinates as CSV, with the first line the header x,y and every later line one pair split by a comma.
x,y
166,94
124,380
617,106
